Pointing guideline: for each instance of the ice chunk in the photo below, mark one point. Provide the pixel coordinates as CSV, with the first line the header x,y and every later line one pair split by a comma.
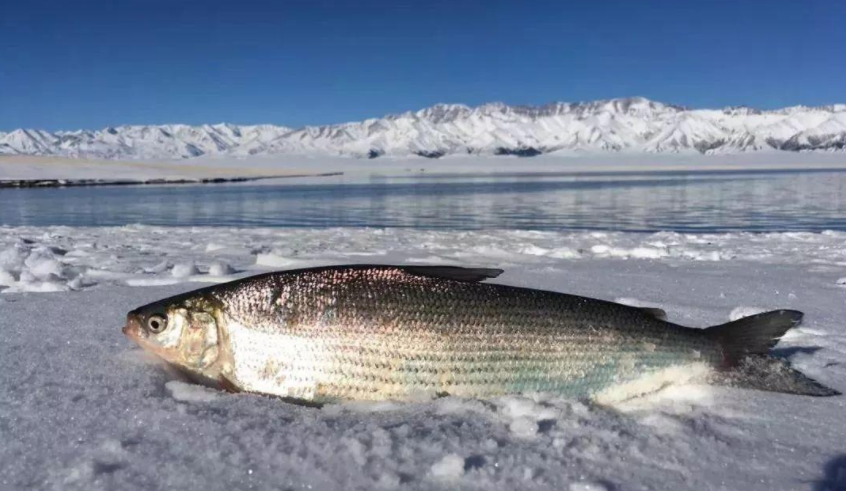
x,y
42,265
6,278
184,270
158,268
13,258
588,486
220,268
648,253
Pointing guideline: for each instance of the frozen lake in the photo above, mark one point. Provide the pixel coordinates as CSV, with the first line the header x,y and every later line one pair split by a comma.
x,y
702,201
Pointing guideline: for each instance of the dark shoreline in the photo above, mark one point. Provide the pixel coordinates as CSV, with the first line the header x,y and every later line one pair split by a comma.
x,y
68,183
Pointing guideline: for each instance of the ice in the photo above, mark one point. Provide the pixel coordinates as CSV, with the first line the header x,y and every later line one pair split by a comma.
x,y
84,408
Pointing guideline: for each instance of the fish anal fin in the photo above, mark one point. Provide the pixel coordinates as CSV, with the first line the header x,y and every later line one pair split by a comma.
x,y
761,372
227,385
457,273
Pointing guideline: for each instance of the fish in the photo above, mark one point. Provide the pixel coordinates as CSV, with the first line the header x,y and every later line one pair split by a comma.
x,y
406,332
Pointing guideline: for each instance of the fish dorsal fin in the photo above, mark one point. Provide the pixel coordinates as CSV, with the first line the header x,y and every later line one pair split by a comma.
x,y
659,314
457,273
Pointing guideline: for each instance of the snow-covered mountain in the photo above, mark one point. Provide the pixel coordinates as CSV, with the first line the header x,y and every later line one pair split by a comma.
x,y
616,125
171,141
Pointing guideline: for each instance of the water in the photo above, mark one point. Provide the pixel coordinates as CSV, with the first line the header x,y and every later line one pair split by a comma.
x,y
680,201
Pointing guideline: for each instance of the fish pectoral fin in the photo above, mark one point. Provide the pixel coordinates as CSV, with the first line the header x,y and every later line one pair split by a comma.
x,y
657,313
457,273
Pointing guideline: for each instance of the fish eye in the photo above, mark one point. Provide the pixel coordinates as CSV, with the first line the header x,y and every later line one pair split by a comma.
x,y
156,323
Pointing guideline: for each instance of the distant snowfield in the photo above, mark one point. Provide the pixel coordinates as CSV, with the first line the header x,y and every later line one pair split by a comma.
x,y
33,168
81,407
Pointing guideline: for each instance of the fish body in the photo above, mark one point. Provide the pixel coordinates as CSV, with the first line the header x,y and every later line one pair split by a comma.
x,y
406,332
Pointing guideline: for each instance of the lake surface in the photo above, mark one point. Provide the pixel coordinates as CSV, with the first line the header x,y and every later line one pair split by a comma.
x,y
629,201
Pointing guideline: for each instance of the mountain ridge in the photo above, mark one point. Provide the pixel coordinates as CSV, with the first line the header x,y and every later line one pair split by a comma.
x,y
631,125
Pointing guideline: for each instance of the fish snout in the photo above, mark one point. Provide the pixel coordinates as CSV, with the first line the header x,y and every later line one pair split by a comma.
x,y
133,329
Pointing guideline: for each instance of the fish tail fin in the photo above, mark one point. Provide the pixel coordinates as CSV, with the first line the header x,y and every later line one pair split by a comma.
x,y
746,344
753,335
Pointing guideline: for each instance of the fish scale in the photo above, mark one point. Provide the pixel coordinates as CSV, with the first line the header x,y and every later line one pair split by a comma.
x,y
382,332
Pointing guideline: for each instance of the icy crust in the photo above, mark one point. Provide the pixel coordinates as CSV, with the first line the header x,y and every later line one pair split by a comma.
x,y
61,258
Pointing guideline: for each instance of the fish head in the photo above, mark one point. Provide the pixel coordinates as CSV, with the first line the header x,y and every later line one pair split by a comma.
x,y
182,331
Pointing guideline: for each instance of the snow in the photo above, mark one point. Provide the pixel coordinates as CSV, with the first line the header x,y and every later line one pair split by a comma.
x,y
743,311
617,125
449,468
84,408
66,258
187,392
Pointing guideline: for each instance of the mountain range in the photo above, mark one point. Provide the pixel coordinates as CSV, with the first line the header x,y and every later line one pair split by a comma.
x,y
616,125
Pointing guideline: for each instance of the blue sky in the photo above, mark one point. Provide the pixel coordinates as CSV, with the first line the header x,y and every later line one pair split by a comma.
x,y
92,63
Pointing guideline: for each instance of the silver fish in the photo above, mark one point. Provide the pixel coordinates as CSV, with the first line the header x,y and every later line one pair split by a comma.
x,y
373,332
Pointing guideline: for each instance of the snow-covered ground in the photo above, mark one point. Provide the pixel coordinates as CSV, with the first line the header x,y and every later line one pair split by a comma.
x,y
83,408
